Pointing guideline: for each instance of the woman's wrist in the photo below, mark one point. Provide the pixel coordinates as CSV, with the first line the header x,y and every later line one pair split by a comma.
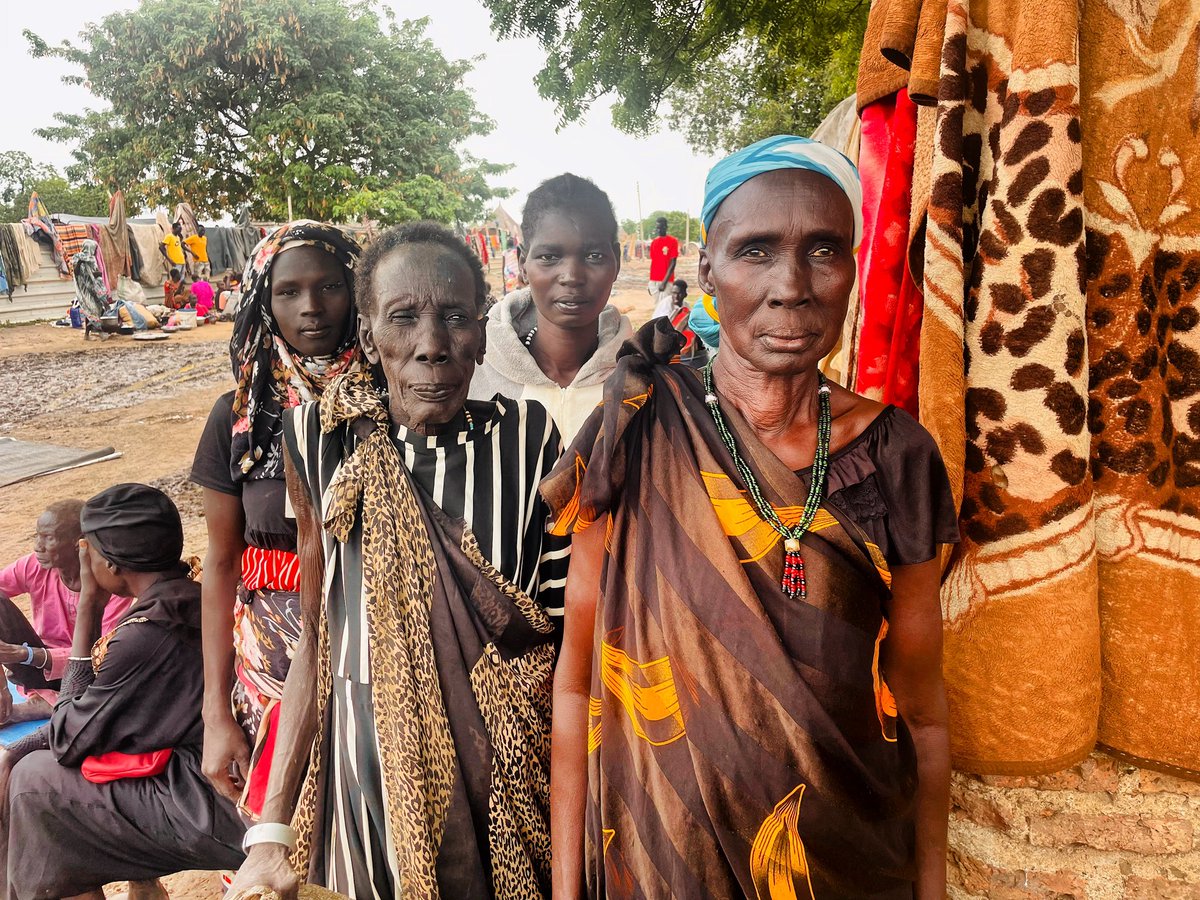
x,y
216,711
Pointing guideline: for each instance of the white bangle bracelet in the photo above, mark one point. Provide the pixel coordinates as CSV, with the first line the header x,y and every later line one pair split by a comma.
x,y
269,833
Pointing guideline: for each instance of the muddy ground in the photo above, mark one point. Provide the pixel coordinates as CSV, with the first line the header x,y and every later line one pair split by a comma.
x,y
149,401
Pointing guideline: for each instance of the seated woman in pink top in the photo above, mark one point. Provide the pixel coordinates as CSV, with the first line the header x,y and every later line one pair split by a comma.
x,y
35,653
203,292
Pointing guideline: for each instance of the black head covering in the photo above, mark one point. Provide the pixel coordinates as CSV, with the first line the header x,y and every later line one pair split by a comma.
x,y
134,526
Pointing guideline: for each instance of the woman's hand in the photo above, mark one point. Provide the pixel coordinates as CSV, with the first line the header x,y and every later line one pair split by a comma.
x,y
91,595
226,759
266,867
12,654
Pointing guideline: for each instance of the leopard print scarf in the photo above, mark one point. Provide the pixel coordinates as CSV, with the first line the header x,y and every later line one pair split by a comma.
x,y
419,759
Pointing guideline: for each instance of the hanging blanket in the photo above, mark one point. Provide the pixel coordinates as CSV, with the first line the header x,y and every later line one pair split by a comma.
x,y
148,238
72,238
114,240
108,277
1060,373
220,251
39,222
1141,140
889,339
31,253
10,258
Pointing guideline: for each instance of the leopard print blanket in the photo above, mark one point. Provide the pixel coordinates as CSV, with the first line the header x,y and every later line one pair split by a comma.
x,y
1060,375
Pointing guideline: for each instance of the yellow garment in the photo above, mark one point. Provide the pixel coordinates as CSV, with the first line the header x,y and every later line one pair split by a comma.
x,y
198,245
174,249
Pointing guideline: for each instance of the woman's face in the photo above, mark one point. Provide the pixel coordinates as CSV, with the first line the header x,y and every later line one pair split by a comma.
x,y
570,266
310,300
780,261
425,332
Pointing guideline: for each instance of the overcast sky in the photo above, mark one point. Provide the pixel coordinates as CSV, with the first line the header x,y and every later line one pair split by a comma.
x,y
671,175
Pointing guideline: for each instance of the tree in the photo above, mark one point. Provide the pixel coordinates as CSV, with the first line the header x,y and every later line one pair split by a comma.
x,y
677,225
723,72
20,176
227,103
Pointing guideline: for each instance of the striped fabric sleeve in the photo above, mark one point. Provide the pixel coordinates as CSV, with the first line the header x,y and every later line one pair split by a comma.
x,y
555,555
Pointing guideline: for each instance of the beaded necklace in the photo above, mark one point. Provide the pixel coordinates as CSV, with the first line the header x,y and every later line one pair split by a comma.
x,y
792,582
528,342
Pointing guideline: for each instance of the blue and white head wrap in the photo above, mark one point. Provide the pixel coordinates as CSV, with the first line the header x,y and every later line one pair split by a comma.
x,y
784,151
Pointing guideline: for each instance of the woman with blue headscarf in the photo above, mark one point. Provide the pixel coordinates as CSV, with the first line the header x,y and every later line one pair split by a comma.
x,y
749,700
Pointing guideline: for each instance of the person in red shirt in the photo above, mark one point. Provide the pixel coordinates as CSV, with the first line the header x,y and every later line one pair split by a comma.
x,y
664,251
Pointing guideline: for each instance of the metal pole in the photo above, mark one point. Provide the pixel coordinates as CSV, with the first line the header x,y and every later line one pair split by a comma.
x,y
687,227
639,199
290,219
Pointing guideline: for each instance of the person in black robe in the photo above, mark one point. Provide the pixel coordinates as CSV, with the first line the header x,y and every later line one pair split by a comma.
x,y
126,698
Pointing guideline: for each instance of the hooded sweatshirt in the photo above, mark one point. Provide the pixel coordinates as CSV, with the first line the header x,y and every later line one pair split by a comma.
x,y
509,368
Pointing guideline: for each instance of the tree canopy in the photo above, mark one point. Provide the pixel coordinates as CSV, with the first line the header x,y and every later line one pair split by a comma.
x,y
232,103
677,225
20,176
722,72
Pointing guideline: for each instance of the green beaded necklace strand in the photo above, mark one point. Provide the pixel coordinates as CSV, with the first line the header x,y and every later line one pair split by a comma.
x,y
792,582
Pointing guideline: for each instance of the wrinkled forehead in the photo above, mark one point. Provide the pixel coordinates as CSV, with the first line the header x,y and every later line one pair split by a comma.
x,y
51,522
430,273
785,196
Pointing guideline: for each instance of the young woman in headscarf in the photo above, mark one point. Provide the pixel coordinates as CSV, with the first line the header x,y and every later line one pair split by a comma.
x,y
749,700
110,788
296,330
91,295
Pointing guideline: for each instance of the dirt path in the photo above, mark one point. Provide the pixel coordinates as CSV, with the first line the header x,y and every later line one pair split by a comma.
x,y
149,401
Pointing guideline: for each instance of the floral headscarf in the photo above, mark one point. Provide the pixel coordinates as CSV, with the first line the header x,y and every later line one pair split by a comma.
x,y
271,377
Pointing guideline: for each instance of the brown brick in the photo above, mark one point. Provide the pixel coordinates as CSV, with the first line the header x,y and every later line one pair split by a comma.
x,y
968,873
1146,835
1096,773
1037,886
985,806
1160,889
1157,783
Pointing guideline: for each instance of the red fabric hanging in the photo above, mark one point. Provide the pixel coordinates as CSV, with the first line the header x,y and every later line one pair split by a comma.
x,y
892,303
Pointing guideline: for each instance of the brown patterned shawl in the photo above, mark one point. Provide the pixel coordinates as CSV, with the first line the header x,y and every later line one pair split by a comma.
x,y
741,744
461,663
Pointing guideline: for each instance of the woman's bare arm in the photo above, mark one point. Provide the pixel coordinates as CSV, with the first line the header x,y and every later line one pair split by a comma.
x,y
912,665
572,688
226,751
268,864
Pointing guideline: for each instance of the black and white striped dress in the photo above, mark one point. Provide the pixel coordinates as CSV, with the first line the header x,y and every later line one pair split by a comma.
x,y
487,476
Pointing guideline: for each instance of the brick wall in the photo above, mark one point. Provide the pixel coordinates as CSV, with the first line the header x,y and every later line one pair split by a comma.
x,y
1101,830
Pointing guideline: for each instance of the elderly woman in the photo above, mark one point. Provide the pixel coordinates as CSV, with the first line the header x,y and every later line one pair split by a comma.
x,y
749,699
296,330
431,595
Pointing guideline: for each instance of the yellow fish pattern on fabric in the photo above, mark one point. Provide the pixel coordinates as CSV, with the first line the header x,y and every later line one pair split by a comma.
x,y
778,863
646,691
885,703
